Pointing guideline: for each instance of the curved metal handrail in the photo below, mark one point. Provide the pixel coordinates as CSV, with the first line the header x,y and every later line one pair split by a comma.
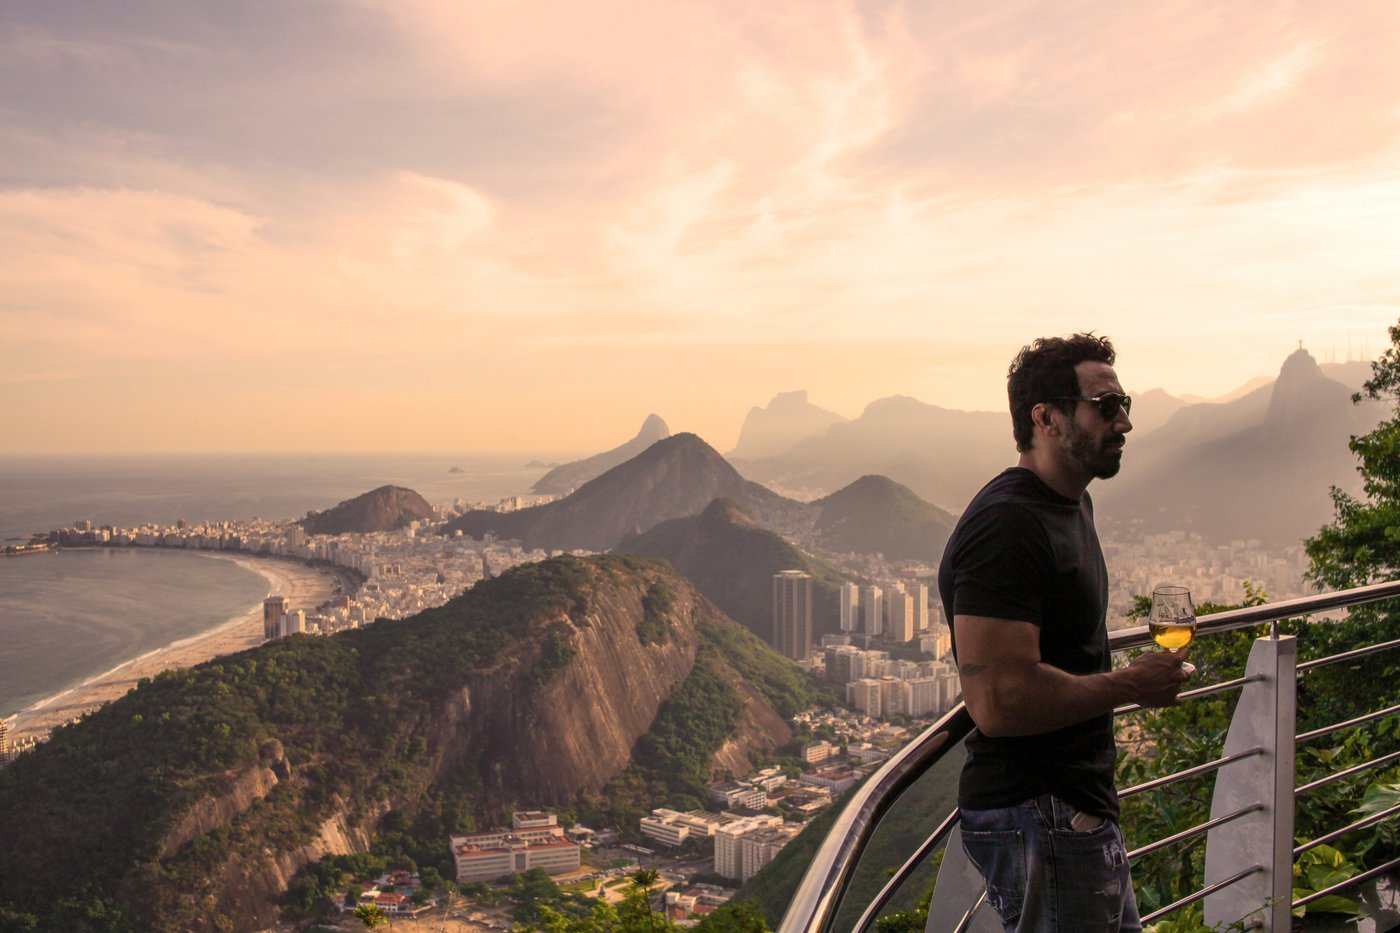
x,y
818,895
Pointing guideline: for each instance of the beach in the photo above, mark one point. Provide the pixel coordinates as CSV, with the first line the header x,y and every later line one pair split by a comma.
x,y
305,587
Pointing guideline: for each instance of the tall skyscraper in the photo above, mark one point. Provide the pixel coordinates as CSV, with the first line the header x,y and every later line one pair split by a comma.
x,y
901,617
919,592
873,609
274,608
792,613
5,754
850,607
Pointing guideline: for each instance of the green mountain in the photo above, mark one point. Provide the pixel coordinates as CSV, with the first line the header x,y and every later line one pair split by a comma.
x,y
384,509
672,478
191,803
877,514
732,559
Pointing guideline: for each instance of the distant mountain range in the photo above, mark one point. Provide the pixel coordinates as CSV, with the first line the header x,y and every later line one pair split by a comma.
x,y
569,476
672,478
788,419
1258,464
384,509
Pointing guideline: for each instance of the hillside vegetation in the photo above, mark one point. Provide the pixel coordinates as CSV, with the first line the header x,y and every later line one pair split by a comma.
x,y
190,803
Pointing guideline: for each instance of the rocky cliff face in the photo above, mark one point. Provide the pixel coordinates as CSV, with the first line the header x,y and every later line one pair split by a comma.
x,y
384,509
566,667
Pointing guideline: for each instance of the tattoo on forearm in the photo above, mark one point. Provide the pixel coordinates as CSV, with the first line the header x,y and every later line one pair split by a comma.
x,y
971,670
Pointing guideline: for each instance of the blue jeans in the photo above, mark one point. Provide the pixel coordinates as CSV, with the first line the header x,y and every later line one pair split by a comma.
x,y
1043,876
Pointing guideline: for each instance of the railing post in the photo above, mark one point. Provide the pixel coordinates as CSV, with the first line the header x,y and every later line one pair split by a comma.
x,y
1266,717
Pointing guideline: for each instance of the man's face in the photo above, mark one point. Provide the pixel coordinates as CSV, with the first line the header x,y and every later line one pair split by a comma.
x,y
1096,444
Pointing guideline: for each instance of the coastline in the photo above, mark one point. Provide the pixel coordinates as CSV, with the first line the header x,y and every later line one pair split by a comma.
x,y
304,586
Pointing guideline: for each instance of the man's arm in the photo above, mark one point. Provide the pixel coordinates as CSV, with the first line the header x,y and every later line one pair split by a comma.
x,y
1010,691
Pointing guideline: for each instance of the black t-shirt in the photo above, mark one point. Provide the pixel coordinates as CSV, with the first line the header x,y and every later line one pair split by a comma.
x,y
1023,552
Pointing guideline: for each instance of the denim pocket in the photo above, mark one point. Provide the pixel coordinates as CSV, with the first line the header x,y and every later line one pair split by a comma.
x,y
999,856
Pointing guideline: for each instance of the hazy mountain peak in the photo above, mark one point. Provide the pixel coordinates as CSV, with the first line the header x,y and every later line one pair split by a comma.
x,y
653,429
570,476
786,421
1300,394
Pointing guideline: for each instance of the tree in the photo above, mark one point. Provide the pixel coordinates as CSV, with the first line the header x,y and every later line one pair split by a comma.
x,y
1362,545
372,916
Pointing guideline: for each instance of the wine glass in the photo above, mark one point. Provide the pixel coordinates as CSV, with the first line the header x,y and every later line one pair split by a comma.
x,y
1172,620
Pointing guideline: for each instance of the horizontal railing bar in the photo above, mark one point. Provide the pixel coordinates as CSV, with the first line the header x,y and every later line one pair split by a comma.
x,y
1193,694
1197,771
1362,823
1343,885
1196,830
1348,655
1338,727
898,878
1207,891
1247,616
1349,772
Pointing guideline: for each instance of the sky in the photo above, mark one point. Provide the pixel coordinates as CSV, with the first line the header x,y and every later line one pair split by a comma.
x,y
336,225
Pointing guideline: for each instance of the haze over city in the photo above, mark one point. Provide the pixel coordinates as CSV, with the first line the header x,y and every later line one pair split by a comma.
x,y
515,226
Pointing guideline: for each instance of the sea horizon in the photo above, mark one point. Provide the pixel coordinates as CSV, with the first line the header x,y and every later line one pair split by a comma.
x,y
71,616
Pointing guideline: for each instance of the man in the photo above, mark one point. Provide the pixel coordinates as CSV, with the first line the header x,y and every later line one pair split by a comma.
x,y
1024,583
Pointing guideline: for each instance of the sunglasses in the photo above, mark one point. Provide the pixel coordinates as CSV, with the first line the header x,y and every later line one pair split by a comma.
x,y
1108,403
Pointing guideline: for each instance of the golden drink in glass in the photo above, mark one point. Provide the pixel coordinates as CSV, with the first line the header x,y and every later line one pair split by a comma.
x,y
1172,619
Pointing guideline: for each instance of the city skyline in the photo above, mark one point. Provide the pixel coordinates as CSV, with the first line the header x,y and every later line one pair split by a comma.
x,y
430,226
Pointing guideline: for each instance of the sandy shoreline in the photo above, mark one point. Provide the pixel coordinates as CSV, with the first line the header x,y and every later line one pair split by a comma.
x,y
304,586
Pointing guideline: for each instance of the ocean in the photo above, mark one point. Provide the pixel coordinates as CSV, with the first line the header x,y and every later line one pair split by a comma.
x,y
70,616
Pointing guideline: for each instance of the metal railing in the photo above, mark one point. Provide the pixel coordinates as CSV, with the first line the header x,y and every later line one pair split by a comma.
x,y
1249,847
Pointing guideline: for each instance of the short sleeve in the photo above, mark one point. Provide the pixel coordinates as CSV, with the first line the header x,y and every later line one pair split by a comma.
x,y
1003,565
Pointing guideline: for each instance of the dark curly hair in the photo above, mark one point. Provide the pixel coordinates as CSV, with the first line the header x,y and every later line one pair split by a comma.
x,y
1044,370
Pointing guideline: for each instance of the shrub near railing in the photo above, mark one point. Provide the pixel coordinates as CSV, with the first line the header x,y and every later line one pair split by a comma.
x,y
1163,741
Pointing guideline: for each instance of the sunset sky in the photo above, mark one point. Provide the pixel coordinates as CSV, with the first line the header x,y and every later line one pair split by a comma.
x,y
457,225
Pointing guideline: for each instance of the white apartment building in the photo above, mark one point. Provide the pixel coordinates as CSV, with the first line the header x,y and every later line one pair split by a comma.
x,y
729,848
864,696
872,609
671,828
534,840
850,607
918,592
740,794
919,697
900,626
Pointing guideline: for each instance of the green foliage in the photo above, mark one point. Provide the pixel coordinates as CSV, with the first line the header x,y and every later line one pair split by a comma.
x,y
1319,868
555,654
786,687
1362,545
372,916
656,606
671,762
351,712
734,917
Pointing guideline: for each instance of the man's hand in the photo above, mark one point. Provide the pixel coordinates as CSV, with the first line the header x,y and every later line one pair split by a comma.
x,y
1153,678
